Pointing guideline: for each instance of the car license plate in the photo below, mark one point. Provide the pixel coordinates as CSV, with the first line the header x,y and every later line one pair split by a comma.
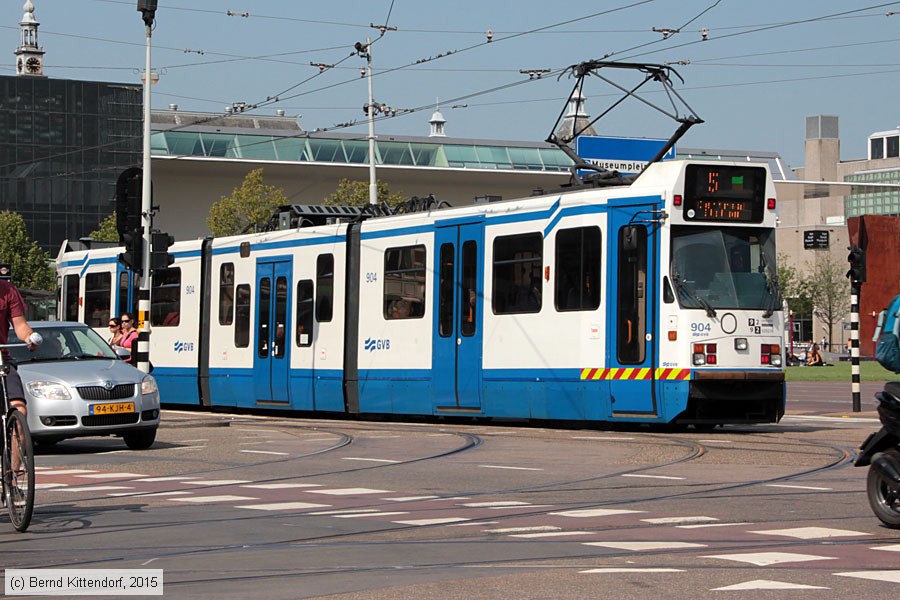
x,y
112,409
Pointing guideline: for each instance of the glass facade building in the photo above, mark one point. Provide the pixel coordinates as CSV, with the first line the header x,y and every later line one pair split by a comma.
x,y
63,144
875,201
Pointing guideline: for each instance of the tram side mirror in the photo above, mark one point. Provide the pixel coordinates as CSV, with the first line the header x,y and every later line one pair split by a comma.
x,y
629,238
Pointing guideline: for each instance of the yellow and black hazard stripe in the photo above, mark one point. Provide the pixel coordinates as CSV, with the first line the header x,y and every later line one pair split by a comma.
x,y
632,374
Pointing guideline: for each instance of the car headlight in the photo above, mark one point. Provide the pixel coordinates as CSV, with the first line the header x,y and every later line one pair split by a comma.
x,y
148,385
48,390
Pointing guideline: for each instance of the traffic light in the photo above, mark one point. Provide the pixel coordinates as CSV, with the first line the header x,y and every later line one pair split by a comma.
x,y
133,256
159,250
129,188
857,260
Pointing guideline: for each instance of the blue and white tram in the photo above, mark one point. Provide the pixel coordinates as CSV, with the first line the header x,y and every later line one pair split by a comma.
x,y
654,302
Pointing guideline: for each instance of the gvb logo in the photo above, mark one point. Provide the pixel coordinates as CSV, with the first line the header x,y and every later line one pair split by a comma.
x,y
371,345
183,346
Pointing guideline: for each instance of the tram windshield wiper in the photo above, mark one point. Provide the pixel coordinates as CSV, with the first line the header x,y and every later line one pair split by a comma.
x,y
682,286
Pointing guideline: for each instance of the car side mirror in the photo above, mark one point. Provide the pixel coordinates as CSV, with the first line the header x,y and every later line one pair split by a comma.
x,y
123,353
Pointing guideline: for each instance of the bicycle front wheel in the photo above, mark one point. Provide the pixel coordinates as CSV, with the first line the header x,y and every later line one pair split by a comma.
x,y
18,471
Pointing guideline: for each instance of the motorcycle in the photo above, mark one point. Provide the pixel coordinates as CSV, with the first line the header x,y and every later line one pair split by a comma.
x,y
881,453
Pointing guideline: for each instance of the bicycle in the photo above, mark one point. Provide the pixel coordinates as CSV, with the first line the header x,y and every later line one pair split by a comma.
x,y
17,459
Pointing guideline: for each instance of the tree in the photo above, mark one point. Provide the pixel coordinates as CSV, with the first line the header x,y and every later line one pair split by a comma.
x,y
249,207
29,262
795,288
356,193
830,291
106,231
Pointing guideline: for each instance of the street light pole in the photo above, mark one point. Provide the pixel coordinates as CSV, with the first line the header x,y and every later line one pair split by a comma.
x,y
147,8
373,185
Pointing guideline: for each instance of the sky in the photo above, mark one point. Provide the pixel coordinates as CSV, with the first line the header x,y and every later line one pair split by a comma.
x,y
764,66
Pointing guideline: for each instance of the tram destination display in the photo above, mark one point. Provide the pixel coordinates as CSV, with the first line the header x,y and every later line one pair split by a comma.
x,y
724,193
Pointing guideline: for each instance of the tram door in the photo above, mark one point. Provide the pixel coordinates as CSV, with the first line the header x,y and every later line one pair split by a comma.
x,y
632,301
271,359
459,300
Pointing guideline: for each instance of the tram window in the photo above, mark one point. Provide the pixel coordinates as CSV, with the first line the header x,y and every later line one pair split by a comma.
x,y
242,316
97,298
71,298
578,269
469,305
404,282
304,312
280,341
325,286
226,294
123,293
264,308
165,298
517,274
446,290
632,296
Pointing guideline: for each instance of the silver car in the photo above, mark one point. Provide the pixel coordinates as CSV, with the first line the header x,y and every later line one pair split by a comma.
x,y
76,385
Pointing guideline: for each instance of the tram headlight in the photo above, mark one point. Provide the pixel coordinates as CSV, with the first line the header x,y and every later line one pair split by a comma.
x,y
740,344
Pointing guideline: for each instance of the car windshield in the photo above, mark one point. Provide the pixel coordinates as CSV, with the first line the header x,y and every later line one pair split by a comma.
x,y
64,343
724,268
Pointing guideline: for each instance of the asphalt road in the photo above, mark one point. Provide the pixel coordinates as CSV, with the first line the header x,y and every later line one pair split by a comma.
x,y
230,506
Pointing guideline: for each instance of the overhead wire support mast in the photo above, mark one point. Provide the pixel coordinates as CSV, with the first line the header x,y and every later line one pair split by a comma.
x,y
147,8
652,72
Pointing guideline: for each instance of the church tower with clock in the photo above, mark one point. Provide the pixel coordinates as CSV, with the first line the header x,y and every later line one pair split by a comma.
x,y
29,56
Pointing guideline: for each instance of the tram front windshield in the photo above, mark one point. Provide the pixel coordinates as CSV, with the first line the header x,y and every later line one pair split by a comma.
x,y
726,267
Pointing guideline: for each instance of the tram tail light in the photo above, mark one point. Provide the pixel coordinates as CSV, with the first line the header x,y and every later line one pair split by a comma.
x,y
673,336
770,203
704,354
770,354
677,199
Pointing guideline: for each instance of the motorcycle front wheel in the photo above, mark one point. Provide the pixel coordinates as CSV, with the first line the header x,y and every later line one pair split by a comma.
x,y
884,497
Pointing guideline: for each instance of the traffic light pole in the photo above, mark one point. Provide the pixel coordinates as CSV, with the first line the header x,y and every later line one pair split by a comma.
x,y
142,358
854,342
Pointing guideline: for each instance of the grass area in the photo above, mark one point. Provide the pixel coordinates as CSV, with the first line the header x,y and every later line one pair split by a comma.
x,y
868,371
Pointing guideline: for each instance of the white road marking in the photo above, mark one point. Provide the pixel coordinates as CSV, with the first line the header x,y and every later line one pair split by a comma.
x,y
766,584
203,499
345,511
372,514
112,475
891,548
634,570
349,491
595,512
764,559
644,546
143,495
537,528
799,487
892,576
378,460
700,526
48,486
96,488
812,533
280,486
265,452
509,468
411,498
679,520
650,476
494,504
219,482
548,534
282,506
67,472
431,521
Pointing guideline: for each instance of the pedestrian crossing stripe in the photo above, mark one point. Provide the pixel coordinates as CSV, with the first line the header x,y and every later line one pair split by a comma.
x,y
635,374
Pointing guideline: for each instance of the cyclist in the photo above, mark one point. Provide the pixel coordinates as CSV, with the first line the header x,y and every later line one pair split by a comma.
x,y
12,314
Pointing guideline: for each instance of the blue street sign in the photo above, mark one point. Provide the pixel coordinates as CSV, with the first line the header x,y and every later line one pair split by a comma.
x,y
625,155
